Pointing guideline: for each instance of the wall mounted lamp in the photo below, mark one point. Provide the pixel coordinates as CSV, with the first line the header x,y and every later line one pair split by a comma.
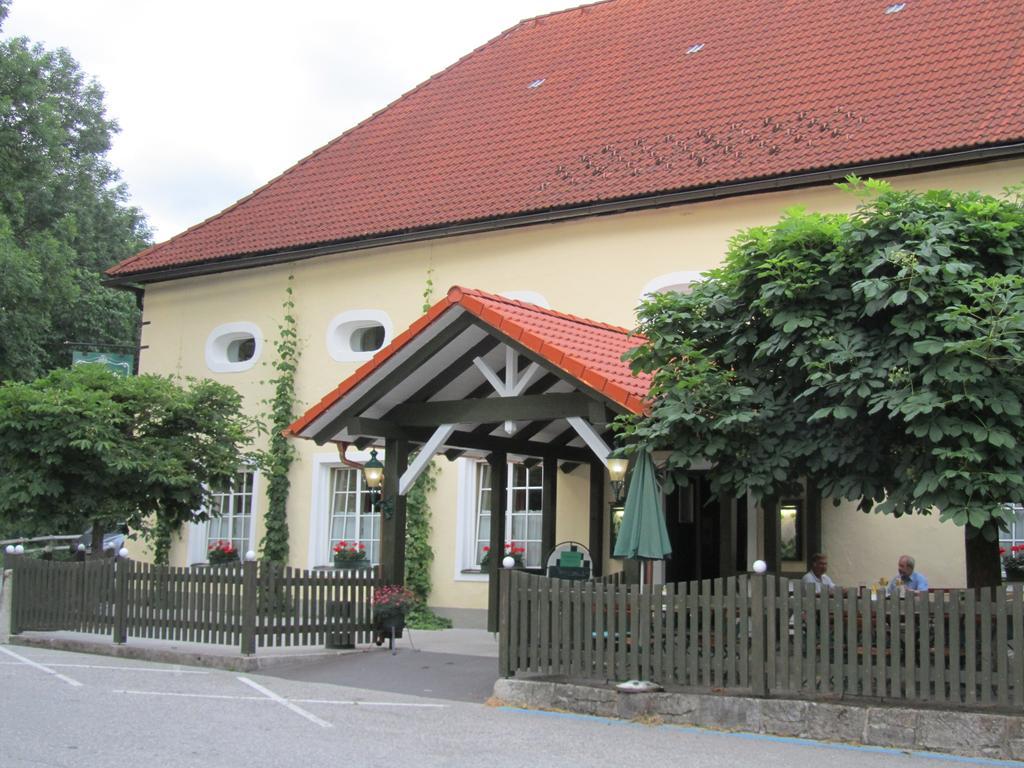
x,y
617,468
373,473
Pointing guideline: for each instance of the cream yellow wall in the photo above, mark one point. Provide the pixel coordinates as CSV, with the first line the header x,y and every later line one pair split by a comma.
x,y
595,267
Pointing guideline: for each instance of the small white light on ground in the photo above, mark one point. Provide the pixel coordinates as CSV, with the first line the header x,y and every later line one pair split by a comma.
x,y
508,562
250,556
122,552
760,566
638,686
9,549
19,550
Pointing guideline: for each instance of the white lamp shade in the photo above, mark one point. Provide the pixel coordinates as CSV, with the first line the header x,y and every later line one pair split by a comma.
x,y
760,566
508,562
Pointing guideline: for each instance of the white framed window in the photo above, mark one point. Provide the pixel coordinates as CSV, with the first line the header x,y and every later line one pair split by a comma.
x,y
1014,536
233,347
357,334
236,507
682,282
523,514
341,509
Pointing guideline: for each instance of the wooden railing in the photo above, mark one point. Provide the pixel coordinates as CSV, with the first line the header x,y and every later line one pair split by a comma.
x,y
247,604
769,636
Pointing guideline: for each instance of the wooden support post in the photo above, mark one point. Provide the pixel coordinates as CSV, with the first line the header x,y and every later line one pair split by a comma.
x,y
597,517
549,502
771,534
499,496
249,604
812,520
392,522
504,639
122,567
726,536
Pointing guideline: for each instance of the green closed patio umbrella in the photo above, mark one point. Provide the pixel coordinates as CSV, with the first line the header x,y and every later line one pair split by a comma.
x,y
643,535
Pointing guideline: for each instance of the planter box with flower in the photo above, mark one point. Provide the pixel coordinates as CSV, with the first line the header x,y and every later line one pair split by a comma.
x,y
511,550
1013,562
391,604
221,553
350,555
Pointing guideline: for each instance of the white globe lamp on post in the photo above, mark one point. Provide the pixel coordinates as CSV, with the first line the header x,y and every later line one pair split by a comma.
x,y
760,567
508,562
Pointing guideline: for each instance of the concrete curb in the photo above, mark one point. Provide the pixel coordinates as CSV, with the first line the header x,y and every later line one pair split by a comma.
x,y
184,655
969,734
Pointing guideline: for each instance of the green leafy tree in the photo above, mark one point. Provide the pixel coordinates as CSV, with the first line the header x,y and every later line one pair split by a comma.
x,y
84,446
64,216
876,354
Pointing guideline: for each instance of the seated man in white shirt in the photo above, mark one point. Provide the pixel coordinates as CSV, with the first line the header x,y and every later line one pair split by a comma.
x,y
817,575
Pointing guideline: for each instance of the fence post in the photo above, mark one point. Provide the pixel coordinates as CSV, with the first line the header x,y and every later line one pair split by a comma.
x,y
249,604
758,644
503,624
11,561
121,568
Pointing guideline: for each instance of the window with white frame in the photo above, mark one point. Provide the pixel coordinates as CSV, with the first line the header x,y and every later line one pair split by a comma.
x,y
351,517
231,513
523,510
1015,535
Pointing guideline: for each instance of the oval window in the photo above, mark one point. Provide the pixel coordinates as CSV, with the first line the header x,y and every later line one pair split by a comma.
x,y
233,347
357,334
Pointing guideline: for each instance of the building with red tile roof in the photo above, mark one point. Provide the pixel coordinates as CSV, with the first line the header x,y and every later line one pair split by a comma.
x,y
565,169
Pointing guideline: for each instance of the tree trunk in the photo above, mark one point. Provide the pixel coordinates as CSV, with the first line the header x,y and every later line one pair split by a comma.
x,y
982,557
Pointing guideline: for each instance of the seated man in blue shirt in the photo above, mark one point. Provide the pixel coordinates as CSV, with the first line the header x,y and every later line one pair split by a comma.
x,y
907,578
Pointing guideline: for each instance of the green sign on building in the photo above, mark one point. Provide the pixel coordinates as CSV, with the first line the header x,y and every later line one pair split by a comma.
x,y
119,364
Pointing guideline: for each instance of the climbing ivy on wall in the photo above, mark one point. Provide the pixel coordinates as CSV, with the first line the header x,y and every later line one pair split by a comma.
x,y
418,553
278,458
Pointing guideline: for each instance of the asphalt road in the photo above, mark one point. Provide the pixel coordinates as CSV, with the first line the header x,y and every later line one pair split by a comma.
x,y
66,709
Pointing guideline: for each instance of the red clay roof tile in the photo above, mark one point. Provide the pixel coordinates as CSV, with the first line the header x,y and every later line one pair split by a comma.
x,y
624,111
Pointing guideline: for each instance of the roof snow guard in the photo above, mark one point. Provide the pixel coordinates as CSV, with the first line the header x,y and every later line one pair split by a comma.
x,y
506,374
610,106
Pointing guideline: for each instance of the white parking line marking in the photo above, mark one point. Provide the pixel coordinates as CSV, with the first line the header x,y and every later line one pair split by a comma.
x,y
285,703
41,668
119,669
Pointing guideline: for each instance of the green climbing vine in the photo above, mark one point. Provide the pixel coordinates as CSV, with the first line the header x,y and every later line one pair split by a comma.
x,y
419,555
278,458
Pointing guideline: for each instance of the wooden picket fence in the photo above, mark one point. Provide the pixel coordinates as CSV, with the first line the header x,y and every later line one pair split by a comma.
x,y
765,635
249,604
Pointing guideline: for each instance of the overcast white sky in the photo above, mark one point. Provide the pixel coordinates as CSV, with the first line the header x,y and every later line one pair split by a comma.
x,y
216,97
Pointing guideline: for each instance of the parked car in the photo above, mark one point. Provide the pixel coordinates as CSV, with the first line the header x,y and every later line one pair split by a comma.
x,y
111,541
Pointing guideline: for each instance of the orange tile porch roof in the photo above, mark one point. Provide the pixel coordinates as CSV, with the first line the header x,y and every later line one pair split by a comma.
x,y
627,99
587,350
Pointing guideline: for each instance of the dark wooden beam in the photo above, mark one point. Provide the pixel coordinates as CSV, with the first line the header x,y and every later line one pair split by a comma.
x,y
499,495
726,536
771,534
549,507
491,443
597,516
492,410
568,467
401,372
456,369
374,427
453,453
542,385
812,520
392,524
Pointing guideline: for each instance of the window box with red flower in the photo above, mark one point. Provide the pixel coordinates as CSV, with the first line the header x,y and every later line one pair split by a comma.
x,y
511,549
350,555
222,552
391,604
1013,562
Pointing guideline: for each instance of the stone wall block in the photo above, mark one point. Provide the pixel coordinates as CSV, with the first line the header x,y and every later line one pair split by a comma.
x,y
730,712
834,722
784,718
891,727
959,731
